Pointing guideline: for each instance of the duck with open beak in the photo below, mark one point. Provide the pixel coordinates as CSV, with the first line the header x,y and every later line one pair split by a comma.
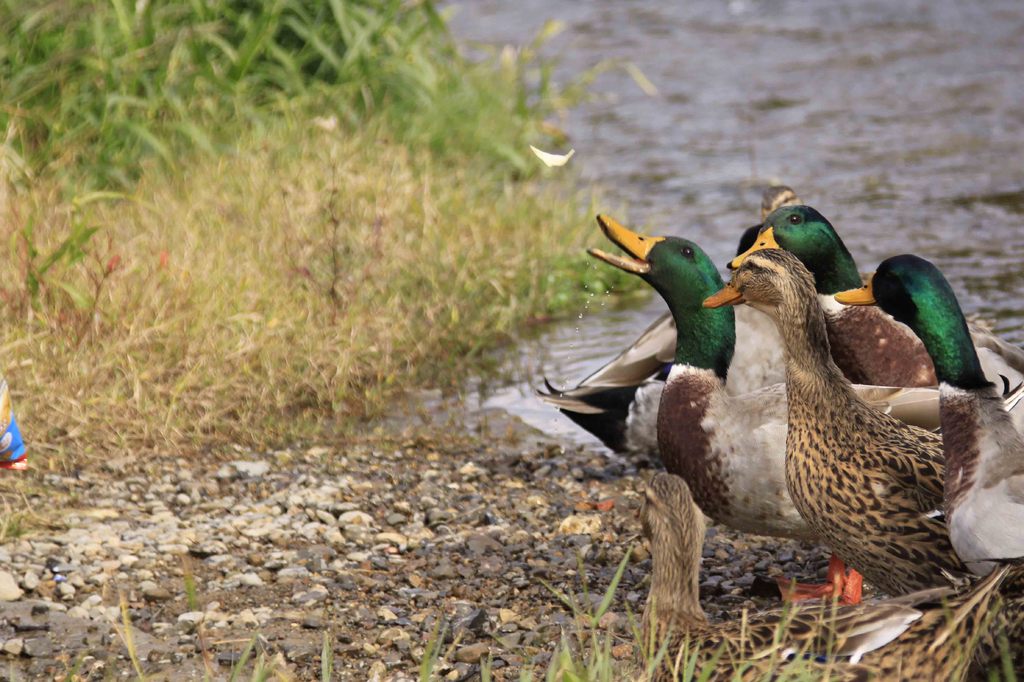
x,y
730,449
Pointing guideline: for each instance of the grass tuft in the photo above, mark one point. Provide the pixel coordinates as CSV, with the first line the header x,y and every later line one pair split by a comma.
x,y
95,91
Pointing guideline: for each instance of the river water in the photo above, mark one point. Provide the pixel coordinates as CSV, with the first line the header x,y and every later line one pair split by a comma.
x,y
902,122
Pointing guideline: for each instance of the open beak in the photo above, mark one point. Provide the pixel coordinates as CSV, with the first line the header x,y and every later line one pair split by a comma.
x,y
765,240
729,295
637,267
863,296
636,245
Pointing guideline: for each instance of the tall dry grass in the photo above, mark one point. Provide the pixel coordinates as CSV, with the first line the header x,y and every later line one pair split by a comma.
x,y
269,294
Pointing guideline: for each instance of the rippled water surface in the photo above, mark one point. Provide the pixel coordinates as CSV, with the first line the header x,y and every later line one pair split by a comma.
x,y
902,122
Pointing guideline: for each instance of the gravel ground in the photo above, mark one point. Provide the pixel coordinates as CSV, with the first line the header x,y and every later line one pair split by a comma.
x,y
373,546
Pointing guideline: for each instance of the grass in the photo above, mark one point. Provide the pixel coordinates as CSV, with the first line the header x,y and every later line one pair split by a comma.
x,y
93,90
262,295
247,224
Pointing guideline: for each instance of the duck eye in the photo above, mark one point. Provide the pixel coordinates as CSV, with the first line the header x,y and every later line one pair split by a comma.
x,y
795,219
688,252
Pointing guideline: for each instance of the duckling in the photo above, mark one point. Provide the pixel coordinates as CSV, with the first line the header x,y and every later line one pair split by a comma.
x,y
865,482
926,635
618,403
984,451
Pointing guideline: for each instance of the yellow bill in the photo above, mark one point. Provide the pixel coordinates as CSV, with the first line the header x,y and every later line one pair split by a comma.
x,y
862,296
636,245
552,160
765,240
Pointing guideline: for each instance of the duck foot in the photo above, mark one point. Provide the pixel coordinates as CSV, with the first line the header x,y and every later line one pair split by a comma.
x,y
842,585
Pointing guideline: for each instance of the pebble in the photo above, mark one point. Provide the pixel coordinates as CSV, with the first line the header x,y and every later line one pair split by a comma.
x,y
461,552
250,580
14,646
38,647
472,653
251,469
31,581
247,618
9,590
580,524
157,593
291,573
355,518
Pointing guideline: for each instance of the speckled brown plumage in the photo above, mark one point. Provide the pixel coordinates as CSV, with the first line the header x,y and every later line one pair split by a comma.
x,y
864,481
927,635
869,347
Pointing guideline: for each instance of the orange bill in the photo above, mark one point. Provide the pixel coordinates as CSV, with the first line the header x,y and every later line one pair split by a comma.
x,y
729,295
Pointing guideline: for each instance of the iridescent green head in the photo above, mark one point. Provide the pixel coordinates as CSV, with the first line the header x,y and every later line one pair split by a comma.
x,y
684,276
914,292
806,234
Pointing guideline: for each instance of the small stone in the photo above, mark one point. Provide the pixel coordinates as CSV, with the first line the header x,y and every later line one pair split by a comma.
x,y
290,573
250,580
318,593
472,653
475,622
507,616
580,524
31,581
390,635
471,470
227,658
157,593
9,590
190,620
247,618
480,543
396,539
355,518
65,590
251,469
386,614
38,647
14,646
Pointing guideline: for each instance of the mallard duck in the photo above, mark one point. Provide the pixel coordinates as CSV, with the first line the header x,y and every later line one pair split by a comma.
x,y
925,635
868,345
618,403
984,451
729,448
865,482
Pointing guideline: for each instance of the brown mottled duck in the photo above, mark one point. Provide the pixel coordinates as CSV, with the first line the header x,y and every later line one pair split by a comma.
x,y
927,635
865,482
